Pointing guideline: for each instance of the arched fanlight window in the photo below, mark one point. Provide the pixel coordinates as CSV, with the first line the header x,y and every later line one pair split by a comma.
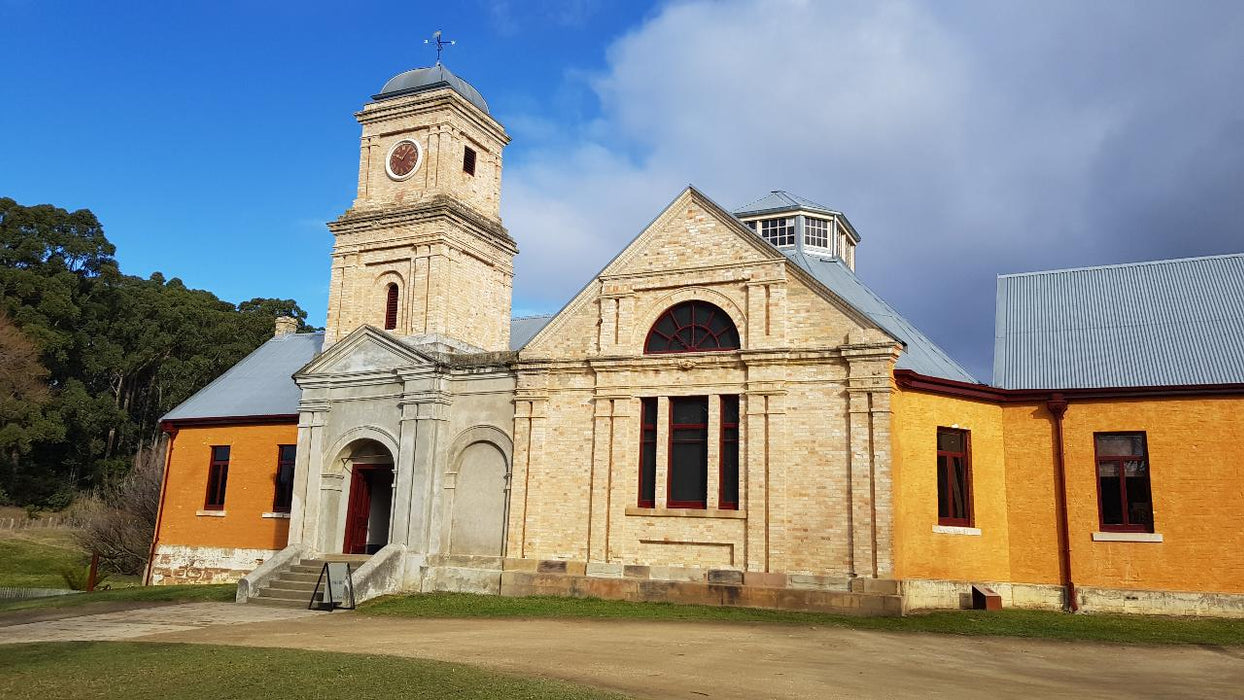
x,y
692,326
390,307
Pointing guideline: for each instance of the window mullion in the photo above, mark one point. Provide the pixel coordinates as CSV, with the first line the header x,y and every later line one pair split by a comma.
x,y
663,451
712,481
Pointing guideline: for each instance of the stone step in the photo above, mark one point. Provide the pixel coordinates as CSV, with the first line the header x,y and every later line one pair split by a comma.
x,y
290,586
292,576
286,594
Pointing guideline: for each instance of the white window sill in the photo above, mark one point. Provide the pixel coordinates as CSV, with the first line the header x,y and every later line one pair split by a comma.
x,y
956,530
284,516
211,513
686,513
1127,537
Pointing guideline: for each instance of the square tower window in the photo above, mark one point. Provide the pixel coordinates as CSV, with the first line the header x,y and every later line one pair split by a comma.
x,y
816,233
779,232
468,160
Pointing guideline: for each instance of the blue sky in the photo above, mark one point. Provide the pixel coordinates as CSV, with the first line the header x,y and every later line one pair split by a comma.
x,y
963,139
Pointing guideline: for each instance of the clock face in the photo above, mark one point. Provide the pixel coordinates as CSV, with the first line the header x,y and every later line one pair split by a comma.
x,y
403,160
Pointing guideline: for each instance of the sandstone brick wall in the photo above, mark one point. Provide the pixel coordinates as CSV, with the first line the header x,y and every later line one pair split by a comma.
x,y
805,460
436,235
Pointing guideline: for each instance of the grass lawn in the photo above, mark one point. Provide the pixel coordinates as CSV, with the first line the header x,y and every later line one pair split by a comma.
x,y
188,593
157,671
34,558
1144,629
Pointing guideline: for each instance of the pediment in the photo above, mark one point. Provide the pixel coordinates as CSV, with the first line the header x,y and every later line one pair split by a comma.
x,y
365,351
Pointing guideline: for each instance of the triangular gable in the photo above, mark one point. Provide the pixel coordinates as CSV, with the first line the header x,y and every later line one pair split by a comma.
x,y
366,349
763,248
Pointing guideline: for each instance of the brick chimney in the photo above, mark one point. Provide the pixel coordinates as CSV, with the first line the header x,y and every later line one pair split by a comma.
x,y
285,325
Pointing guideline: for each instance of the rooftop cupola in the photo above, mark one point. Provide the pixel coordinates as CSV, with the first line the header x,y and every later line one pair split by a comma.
x,y
793,223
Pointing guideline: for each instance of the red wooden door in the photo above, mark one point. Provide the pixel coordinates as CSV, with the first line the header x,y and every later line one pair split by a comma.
x,y
357,513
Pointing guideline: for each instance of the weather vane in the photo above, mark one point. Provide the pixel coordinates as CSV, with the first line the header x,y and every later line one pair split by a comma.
x,y
440,44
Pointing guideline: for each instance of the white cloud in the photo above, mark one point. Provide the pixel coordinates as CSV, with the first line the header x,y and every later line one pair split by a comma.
x,y
960,146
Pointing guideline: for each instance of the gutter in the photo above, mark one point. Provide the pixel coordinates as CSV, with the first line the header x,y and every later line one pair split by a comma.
x,y
171,431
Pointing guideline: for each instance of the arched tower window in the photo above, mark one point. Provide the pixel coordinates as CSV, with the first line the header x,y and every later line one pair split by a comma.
x,y
692,326
390,307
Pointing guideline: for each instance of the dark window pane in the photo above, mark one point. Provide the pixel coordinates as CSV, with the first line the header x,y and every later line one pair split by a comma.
x,y
288,453
1111,498
468,160
943,485
688,473
220,454
958,488
648,453
692,326
693,410
1121,445
730,409
682,314
949,440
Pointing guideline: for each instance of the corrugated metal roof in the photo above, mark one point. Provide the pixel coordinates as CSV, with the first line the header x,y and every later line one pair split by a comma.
x,y
1160,323
524,328
921,354
260,385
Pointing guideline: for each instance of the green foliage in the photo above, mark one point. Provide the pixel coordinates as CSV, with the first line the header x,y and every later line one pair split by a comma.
x,y
114,352
78,578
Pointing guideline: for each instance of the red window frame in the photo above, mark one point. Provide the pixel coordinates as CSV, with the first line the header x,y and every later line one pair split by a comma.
x,y
702,336
217,478
1120,463
944,499
390,307
671,467
283,493
729,445
647,452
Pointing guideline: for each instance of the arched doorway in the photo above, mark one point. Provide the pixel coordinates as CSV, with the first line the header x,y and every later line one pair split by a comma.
x,y
479,509
370,505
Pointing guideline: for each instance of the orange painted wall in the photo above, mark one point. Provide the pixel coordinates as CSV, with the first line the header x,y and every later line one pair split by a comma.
x,y
248,493
1196,472
919,551
1196,457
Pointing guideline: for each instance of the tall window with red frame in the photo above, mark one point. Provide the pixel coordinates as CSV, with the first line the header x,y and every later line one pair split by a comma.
x,y
728,498
390,307
954,477
1124,498
688,458
647,453
217,478
283,494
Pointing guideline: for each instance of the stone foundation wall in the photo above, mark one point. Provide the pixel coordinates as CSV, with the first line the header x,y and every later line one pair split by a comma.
x,y
175,564
941,595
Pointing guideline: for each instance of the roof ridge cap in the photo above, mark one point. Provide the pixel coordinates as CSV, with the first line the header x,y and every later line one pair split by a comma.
x,y
1139,263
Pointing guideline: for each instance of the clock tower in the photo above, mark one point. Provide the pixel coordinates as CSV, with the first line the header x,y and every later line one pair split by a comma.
x,y
422,252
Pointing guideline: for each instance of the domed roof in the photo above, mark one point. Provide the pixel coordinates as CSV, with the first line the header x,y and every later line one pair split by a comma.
x,y
421,79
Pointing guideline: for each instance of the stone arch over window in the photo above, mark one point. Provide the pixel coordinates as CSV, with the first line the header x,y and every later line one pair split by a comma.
x,y
694,325
389,287
649,313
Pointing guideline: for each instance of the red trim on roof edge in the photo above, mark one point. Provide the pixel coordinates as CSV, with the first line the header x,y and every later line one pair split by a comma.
x,y
907,379
280,419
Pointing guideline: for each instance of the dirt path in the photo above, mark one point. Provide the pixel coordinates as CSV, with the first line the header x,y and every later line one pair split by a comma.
x,y
697,660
